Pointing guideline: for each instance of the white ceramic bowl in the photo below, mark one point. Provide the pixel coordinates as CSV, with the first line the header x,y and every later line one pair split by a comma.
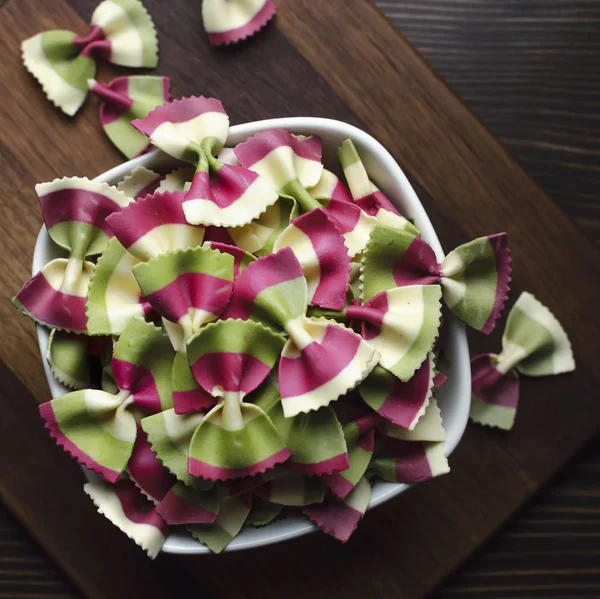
x,y
454,398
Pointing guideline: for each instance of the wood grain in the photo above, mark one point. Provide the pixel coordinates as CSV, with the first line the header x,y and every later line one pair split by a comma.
x,y
468,183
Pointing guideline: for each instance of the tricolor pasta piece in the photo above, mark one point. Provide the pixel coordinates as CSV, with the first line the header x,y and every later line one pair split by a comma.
x,y
534,344
402,403
475,277
194,130
365,193
230,21
99,429
113,295
290,163
187,505
147,471
230,359
233,511
428,428
321,360
127,508
402,325
292,489
188,288
122,33
319,246
340,519
74,211
140,182
125,99
399,461
154,225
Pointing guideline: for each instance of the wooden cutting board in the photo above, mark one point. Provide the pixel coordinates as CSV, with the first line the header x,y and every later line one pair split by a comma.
x,y
338,59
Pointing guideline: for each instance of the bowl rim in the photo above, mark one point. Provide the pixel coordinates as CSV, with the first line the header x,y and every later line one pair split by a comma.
x,y
397,185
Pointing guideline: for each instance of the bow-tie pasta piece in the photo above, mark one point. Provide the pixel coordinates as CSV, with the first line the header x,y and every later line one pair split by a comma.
x,y
429,427
187,505
402,403
122,33
330,188
194,130
340,518
475,277
290,163
233,511
99,429
534,344
315,440
319,246
241,258
402,324
230,21
188,288
291,489
127,508
229,359
179,179
321,360
125,99
400,461
365,193
140,182
74,211
147,471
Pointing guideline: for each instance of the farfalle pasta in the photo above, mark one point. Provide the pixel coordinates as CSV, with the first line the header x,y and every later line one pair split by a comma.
x,y
74,211
195,130
125,99
534,344
122,33
474,277
248,337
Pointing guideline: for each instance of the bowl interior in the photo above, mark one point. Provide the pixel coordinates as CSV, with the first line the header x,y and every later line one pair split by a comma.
x,y
453,398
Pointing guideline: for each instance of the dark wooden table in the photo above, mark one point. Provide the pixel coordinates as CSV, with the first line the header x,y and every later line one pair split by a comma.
x,y
530,71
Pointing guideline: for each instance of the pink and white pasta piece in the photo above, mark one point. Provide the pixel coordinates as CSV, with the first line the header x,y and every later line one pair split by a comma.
x,y
127,508
125,99
194,130
290,163
319,247
330,188
475,277
321,360
534,344
340,518
122,33
230,359
98,428
231,21
74,211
